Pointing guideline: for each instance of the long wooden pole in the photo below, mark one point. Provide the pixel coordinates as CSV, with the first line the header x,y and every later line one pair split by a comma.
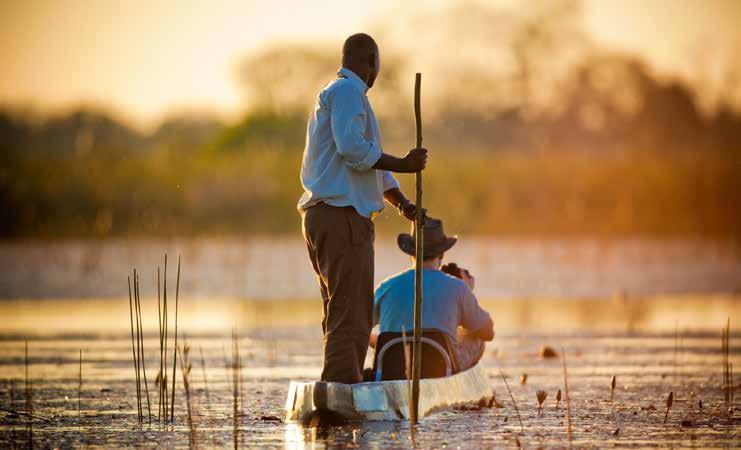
x,y
419,231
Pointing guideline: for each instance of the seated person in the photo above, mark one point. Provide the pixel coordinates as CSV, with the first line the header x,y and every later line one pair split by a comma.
x,y
448,299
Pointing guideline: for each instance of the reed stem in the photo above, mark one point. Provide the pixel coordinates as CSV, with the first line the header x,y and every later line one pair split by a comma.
x,y
12,407
568,397
205,378
514,402
185,368
29,400
160,378
135,352
175,347
79,395
165,323
235,389
141,341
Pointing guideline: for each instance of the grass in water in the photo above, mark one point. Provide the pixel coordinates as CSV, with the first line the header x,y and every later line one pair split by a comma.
x,y
669,403
165,323
140,329
134,351
160,379
185,368
541,396
29,400
514,402
205,378
12,408
612,388
175,347
727,367
566,392
79,395
236,394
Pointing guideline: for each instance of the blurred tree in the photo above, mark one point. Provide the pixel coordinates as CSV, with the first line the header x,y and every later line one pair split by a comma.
x,y
185,132
286,79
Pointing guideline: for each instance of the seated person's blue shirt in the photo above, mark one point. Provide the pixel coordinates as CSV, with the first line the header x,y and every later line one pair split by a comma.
x,y
447,304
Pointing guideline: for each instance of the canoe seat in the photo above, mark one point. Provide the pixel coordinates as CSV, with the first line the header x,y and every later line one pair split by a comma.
x,y
437,358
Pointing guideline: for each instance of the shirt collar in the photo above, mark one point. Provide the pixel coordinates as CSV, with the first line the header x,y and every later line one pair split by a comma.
x,y
350,75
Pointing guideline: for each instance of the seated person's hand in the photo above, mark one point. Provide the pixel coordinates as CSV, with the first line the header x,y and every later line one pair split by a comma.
x,y
373,338
452,268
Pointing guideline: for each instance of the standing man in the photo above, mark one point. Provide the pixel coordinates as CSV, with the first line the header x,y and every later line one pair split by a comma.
x,y
346,177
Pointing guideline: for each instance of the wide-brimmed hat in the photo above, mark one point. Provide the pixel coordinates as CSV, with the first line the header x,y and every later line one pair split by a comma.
x,y
435,242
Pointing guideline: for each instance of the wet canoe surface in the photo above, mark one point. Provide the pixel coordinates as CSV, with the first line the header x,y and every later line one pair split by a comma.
x,y
386,400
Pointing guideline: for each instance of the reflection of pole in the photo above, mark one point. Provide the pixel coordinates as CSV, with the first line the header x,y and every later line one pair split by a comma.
x,y
418,232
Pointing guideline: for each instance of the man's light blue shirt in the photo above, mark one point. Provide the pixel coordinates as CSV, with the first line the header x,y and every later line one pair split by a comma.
x,y
447,303
343,142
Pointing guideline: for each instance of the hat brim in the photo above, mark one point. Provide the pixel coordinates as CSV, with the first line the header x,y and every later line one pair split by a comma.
x,y
407,245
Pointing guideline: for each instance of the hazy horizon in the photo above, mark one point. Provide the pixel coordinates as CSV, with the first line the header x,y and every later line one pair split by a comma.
x,y
150,60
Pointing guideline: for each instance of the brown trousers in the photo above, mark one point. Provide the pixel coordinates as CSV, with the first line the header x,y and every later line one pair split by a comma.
x,y
340,244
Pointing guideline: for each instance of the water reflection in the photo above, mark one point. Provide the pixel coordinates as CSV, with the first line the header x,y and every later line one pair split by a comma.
x,y
365,435
273,269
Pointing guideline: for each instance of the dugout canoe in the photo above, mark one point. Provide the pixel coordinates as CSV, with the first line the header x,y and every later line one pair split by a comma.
x,y
386,400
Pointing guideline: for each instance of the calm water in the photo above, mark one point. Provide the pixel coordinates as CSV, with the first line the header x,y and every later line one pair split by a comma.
x,y
648,312
279,268
652,346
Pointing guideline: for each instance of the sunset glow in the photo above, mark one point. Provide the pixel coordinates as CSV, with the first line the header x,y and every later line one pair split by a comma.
x,y
149,59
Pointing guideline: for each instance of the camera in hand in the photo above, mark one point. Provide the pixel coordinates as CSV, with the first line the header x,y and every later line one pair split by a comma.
x,y
452,268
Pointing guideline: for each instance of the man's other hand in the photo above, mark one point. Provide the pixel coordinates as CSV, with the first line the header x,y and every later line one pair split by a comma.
x,y
409,211
415,160
467,278
452,268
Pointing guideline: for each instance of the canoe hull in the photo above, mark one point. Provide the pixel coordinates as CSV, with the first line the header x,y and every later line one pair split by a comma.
x,y
385,400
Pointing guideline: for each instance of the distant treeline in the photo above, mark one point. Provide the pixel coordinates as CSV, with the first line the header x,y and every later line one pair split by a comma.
x,y
97,178
619,152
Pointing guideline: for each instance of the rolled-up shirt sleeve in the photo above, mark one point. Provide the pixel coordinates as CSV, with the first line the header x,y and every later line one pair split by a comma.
x,y
348,126
389,182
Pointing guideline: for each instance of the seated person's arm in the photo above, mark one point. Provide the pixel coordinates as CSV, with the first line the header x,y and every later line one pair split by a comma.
x,y
376,316
486,333
373,337
474,318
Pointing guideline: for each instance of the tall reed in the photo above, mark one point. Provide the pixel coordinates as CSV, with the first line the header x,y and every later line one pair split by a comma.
x,y
566,393
236,394
669,403
676,349
205,378
79,395
141,341
175,347
727,366
160,379
613,383
165,323
12,408
29,400
514,402
185,368
135,353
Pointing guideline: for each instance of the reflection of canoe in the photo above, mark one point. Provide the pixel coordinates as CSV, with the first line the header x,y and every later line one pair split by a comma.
x,y
385,400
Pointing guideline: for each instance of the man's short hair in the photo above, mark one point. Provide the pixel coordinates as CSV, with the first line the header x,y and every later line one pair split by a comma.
x,y
359,44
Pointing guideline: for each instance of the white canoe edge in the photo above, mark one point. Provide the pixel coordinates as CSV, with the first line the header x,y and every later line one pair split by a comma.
x,y
385,400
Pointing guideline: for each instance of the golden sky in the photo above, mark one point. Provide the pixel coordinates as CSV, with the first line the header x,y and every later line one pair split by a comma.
x,y
145,59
